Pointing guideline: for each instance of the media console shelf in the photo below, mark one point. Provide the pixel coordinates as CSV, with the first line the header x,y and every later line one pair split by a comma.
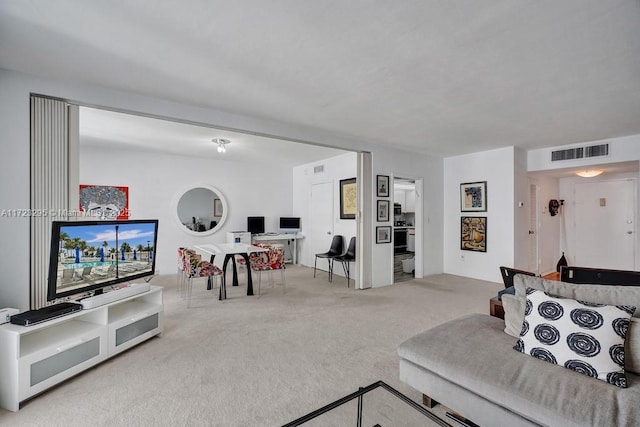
x,y
35,358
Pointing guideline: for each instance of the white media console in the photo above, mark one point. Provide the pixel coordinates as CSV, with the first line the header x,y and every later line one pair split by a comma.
x,y
35,358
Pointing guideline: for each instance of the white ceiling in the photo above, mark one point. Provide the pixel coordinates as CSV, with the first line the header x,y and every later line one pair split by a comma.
x,y
108,129
445,77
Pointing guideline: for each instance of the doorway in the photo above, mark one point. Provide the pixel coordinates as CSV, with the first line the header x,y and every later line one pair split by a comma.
x,y
407,203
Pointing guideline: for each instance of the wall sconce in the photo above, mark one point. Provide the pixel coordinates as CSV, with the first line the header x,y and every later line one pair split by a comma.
x,y
589,173
222,143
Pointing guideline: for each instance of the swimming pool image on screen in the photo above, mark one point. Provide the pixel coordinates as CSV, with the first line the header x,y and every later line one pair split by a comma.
x,y
90,255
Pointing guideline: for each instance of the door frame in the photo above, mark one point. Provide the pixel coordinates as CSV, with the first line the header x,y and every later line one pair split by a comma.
x,y
418,225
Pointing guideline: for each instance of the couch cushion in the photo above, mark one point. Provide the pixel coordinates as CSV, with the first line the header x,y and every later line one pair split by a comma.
x,y
587,338
475,353
513,307
601,294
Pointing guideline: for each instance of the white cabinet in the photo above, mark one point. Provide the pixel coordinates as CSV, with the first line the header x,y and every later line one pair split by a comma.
x,y
34,358
406,198
410,205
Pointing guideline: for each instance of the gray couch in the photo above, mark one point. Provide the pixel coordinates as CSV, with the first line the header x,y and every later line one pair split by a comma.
x,y
469,365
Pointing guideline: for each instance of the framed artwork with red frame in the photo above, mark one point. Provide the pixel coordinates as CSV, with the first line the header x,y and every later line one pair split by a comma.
x,y
104,201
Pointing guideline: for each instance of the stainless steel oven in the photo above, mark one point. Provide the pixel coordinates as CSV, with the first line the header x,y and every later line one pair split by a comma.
x,y
399,240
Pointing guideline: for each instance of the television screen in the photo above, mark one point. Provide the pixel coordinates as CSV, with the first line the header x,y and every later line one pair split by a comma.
x,y
90,255
289,224
255,224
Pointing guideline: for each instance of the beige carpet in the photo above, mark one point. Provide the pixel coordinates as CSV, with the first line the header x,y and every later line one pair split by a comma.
x,y
251,361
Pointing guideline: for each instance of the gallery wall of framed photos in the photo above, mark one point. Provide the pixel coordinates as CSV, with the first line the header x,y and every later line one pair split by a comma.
x,y
383,209
473,229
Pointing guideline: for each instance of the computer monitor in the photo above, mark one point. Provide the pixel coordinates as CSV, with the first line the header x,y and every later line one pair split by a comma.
x,y
255,224
289,224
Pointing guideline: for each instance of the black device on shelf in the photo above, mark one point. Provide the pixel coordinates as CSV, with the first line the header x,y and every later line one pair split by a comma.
x,y
91,255
289,224
255,224
33,317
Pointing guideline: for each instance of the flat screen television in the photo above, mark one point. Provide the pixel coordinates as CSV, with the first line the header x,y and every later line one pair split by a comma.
x,y
255,224
289,224
92,255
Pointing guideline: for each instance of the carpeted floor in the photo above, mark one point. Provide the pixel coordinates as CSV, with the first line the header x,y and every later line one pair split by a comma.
x,y
251,361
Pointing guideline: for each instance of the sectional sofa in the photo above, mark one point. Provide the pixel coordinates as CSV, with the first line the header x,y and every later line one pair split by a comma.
x,y
470,365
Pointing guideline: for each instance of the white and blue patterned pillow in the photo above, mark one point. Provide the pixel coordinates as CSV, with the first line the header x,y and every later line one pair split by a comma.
x,y
585,337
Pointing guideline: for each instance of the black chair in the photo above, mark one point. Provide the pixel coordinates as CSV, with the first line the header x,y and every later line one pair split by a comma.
x,y
347,257
508,273
335,250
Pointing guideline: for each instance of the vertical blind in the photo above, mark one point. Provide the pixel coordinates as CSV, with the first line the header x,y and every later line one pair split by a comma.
x,y
49,189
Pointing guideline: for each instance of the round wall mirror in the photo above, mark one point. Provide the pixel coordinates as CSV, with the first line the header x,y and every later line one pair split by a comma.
x,y
201,210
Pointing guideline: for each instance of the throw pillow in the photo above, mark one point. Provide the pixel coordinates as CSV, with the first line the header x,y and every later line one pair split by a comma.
x,y
602,294
584,337
513,314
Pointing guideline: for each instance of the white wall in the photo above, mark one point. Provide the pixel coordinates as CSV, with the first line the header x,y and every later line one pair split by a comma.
x,y
497,168
335,169
14,160
521,213
156,181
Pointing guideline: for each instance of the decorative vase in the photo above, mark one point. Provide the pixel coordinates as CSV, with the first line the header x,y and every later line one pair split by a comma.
x,y
562,262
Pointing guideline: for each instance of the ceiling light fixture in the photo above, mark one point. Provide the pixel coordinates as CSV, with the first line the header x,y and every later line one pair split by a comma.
x,y
222,143
589,173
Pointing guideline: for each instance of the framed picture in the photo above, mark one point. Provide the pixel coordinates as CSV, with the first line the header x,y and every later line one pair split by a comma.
x,y
473,233
382,185
105,201
217,207
383,234
473,196
348,195
383,210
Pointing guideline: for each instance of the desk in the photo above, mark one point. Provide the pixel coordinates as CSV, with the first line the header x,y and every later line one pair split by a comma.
x,y
278,237
229,250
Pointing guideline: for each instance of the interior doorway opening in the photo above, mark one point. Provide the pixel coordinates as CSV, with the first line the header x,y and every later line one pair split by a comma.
x,y
407,203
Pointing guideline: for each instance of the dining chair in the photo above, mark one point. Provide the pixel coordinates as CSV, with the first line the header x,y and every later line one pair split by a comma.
x,y
337,245
269,261
180,269
195,268
348,257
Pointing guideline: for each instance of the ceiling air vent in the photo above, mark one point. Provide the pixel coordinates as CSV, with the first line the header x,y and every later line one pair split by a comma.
x,y
596,150
580,152
318,169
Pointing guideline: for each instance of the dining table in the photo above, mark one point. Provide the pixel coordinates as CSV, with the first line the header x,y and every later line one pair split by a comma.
x,y
230,250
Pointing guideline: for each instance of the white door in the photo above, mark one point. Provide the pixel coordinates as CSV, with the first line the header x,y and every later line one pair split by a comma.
x,y
604,224
321,220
